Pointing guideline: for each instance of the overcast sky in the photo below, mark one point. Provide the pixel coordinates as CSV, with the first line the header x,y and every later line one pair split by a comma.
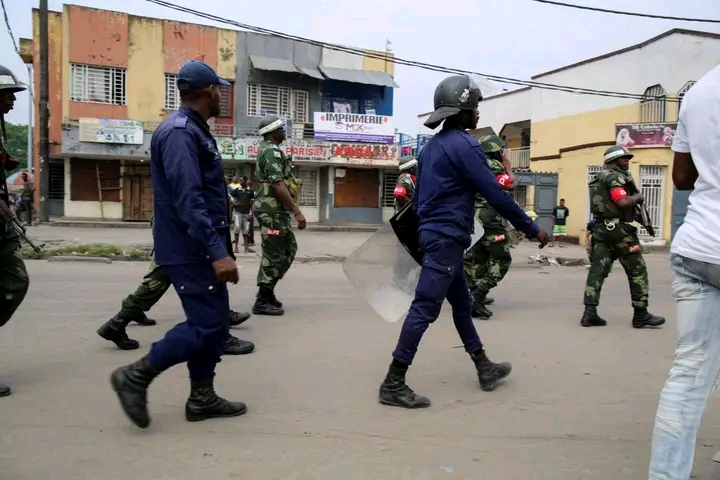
x,y
510,38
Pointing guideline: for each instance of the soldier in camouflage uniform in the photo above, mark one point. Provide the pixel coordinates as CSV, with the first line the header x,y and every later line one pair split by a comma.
x,y
487,262
152,288
405,186
276,197
14,280
613,204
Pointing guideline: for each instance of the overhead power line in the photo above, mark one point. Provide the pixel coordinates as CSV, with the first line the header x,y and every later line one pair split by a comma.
x,y
633,14
410,63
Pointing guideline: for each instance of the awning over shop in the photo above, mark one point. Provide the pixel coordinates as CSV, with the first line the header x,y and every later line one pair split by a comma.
x,y
282,65
359,76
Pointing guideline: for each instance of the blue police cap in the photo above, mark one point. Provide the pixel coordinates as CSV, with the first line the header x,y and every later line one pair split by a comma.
x,y
197,74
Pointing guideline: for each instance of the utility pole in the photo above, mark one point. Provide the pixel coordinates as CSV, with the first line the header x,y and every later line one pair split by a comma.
x,y
43,174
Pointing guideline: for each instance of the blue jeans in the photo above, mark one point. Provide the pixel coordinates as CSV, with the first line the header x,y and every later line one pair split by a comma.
x,y
696,290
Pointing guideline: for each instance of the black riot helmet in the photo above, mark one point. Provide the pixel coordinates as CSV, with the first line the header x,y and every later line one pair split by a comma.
x,y
453,95
9,82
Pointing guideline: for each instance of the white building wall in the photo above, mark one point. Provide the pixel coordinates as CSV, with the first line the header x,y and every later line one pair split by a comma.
x,y
671,62
335,59
90,210
497,111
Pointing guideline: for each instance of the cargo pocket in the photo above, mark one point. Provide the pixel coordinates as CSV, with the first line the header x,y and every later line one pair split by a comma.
x,y
193,279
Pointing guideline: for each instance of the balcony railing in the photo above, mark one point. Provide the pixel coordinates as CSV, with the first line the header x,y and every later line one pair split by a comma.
x,y
519,157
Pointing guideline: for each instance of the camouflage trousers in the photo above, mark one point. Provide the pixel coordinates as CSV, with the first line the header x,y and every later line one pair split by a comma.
x,y
488,261
14,280
617,243
153,286
279,247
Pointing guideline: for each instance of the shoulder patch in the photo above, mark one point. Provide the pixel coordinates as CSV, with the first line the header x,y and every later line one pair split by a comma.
x,y
180,122
277,154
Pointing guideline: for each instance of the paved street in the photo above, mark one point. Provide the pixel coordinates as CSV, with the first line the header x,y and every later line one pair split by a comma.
x,y
579,404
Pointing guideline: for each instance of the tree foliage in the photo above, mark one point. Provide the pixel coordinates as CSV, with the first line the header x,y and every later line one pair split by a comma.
x,y
17,142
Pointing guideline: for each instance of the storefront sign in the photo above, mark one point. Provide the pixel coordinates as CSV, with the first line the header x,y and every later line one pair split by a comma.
x,y
351,127
105,130
248,149
645,135
359,151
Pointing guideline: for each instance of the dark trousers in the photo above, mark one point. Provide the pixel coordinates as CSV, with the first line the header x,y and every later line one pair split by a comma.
x,y
14,280
200,338
441,276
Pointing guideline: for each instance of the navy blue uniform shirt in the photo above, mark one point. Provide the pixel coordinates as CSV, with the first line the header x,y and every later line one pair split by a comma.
x,y
451,169
189,193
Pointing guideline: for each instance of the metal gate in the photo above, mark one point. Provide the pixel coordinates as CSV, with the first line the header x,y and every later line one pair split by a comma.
x,y
56,192
680,202
592,170
546,185
652,186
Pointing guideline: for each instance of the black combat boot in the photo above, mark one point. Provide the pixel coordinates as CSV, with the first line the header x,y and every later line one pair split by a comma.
x,y
143,320
591,318
4,390
263,303
643,318
479,309
488,301
204,403
131,383
235,346
237,318
114,331
273,299
394,391
489,373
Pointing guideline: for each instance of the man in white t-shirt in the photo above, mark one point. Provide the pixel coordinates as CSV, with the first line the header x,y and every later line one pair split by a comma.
x,y
695,258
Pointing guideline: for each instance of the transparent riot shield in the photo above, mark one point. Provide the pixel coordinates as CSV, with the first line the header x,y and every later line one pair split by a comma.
x,y
385,274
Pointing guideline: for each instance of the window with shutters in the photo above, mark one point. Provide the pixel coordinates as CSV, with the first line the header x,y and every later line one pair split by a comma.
x,y
226,101
97,84
308,191
681,94
389,180
652,106
281,101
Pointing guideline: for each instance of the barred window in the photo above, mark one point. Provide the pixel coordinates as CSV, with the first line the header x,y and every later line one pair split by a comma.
x,y
308,191
172,96
97,84
652,106
281,101
390,178
681,94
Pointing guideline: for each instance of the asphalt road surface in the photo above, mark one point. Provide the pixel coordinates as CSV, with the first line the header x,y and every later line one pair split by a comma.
x,y
579,405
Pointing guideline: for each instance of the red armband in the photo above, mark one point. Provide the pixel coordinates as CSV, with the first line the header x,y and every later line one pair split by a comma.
x,y
617,193
504,180
400,191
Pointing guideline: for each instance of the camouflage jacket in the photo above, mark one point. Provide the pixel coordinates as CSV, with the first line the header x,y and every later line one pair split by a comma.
x,y
601,204
486,214
272,166
405,187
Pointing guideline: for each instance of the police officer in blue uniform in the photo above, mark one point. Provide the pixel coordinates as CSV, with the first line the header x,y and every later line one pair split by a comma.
x,y
192,225
452,169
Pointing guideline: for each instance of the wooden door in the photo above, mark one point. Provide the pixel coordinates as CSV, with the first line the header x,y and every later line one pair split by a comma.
x,y
360,187
138,199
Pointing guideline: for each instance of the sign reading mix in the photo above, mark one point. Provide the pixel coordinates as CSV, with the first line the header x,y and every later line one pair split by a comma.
x,y
352,127
106,130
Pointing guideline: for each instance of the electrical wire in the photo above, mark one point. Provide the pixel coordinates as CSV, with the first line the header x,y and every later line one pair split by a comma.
x,y
17,50
410,63
633,14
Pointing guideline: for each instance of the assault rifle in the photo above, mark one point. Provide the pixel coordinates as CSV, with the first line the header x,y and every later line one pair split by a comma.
x,y
642,216
7,217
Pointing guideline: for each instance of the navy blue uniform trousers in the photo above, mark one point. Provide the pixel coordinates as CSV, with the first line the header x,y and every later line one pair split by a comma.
x,y
200,338
441,276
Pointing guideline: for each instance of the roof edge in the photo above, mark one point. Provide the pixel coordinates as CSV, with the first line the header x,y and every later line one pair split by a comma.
x,y
647,42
